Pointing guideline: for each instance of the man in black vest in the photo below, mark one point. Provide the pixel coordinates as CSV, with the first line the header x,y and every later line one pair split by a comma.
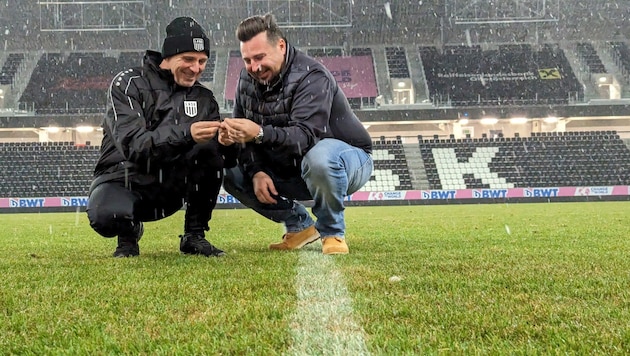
x,y
298,137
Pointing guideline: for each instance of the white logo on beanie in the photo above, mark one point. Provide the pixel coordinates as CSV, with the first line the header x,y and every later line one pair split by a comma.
x,y
198,44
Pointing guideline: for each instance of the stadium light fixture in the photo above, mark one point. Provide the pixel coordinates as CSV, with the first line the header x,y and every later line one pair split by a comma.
x,y
84,129
518,120
489,121
550,120
605,79
463,121
52,129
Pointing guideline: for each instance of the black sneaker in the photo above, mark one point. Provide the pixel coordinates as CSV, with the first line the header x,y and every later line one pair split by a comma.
x,y
128,245
194,243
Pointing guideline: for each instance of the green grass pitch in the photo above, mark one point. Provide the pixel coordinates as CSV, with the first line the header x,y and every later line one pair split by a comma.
x,y
547,278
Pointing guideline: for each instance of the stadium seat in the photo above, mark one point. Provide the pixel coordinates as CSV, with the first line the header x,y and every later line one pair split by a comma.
x,y
542,160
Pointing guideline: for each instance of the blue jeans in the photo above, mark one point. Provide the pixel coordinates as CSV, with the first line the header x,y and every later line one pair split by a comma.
x,y
331,170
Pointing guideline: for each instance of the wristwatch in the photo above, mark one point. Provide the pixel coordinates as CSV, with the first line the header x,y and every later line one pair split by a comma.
x,y
258,139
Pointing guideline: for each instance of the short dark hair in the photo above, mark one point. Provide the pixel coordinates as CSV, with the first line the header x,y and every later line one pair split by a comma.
x,y
252,26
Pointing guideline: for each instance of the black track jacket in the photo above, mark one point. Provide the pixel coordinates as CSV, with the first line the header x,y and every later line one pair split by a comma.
x,y
146,130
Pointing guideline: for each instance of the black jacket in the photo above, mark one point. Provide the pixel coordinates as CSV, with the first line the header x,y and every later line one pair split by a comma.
x,y
146,130
303,106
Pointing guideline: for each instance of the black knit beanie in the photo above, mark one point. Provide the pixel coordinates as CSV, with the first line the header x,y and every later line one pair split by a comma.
x,y
184,34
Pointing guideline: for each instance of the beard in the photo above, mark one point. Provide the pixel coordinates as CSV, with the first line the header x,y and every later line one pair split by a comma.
x,y
264,70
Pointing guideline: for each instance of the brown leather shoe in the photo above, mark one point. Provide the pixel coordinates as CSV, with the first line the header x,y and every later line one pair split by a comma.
x,y
334,246
296,240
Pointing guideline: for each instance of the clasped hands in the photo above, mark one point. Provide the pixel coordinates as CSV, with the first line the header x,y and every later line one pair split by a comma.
x,y
230,131
237,131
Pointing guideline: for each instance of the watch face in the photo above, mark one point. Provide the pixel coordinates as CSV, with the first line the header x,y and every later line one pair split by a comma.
x,y
259,138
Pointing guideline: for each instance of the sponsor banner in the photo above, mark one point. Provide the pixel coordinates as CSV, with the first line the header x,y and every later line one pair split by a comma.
x,y
397,195
441,194
49,202
354,75
531,76
57,202
387,195
226,199
547,192
489,193
594,191
74,201
26,202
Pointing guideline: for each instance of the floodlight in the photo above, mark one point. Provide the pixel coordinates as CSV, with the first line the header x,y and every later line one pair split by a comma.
x,y
84,129
518,120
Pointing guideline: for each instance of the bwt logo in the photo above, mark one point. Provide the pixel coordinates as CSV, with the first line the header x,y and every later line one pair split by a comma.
x,y
438,194
78,201
541,192
27,203
226,199
490,193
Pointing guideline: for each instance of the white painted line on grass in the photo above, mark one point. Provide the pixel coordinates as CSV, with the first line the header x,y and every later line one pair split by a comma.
x,y
323,323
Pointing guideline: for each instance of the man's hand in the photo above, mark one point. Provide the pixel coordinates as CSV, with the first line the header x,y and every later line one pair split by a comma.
x,y
204,131
240,130
224,136
264,188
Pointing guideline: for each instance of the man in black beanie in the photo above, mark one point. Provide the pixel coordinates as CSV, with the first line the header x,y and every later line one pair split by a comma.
x,y
160,146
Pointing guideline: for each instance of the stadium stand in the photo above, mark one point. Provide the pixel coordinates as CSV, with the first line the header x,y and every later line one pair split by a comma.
x,y
355,74
621,54
397,62
208,73
549,159
76,83
509,75
361,51
47,169
10,67
589,55
64,74
390,167
325,52
129,59
64,169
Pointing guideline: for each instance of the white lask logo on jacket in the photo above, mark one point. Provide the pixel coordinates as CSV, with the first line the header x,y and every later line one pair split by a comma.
x,y
190,108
